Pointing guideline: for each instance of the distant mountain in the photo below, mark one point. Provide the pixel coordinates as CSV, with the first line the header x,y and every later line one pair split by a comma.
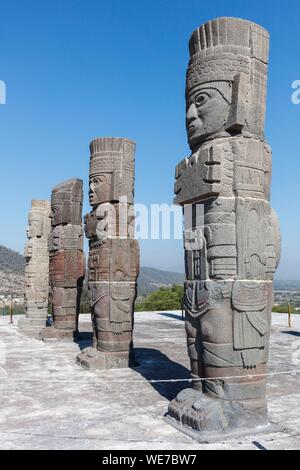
x,y
287,285
151,279
12,269
11,261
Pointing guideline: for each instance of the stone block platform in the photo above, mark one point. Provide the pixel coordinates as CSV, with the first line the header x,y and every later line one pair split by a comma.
x,y
49,402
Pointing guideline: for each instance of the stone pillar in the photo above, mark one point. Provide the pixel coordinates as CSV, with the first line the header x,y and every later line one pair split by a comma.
x,y
37,269
114,254
232,238
67,266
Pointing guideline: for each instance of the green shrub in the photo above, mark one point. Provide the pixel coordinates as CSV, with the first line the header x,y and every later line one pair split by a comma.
x,y
283,309
17,310
165,298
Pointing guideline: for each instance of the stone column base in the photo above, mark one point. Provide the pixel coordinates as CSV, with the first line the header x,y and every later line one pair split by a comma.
x,y
92,359
32,327
52,334
209,419
219,436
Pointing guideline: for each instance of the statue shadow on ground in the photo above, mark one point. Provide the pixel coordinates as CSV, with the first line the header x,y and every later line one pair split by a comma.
x,y
152,364
172,315
84,339
292,333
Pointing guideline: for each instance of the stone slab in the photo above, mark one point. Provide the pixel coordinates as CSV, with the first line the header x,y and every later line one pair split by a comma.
x,y
42,391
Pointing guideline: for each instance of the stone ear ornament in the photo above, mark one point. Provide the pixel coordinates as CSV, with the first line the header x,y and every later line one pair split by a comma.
x,y
239,104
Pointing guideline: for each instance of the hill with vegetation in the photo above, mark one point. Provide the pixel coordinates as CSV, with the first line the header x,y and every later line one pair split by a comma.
x,y
151,279
11,261
12,269
165,298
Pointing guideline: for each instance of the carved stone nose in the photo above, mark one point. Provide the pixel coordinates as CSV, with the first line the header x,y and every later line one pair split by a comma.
x,y
191,115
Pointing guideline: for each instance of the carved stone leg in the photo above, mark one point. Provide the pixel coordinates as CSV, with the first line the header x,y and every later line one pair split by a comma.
x,y
231,357
112,313
65,314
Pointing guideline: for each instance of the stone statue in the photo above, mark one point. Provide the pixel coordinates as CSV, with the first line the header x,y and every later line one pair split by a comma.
x,y
232,238
67,266
114,254
37,269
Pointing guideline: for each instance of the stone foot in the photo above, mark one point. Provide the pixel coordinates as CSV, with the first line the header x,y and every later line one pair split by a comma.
x,y
205,418
92,359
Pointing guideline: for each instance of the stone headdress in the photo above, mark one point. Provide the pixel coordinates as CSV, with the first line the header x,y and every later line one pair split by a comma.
x,y
231,55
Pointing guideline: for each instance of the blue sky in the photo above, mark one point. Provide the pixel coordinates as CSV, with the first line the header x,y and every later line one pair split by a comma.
x,y
79,69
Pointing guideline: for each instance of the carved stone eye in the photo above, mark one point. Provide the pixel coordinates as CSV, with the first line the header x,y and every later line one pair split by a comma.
x,y
201,99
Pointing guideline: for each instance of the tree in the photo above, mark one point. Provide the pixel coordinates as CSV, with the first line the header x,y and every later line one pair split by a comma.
x,y
165,298
283,309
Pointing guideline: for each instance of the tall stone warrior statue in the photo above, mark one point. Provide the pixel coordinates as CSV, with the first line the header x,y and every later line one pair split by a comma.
x,y
67,266
114,254
37,269
232,238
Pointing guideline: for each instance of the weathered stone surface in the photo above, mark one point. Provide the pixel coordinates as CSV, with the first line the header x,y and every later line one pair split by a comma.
x,y
52,406
232,238
114,254
225,168
115,260
67,265
111,171
37,268
66,203
110,220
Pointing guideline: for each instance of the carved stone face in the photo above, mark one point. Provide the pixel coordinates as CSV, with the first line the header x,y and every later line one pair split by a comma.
x,y
66,203
67,212
207,114
35,224
100,188
56,239
56,214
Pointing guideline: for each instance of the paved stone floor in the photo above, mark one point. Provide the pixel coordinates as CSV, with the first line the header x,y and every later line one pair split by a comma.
x,y
48,402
